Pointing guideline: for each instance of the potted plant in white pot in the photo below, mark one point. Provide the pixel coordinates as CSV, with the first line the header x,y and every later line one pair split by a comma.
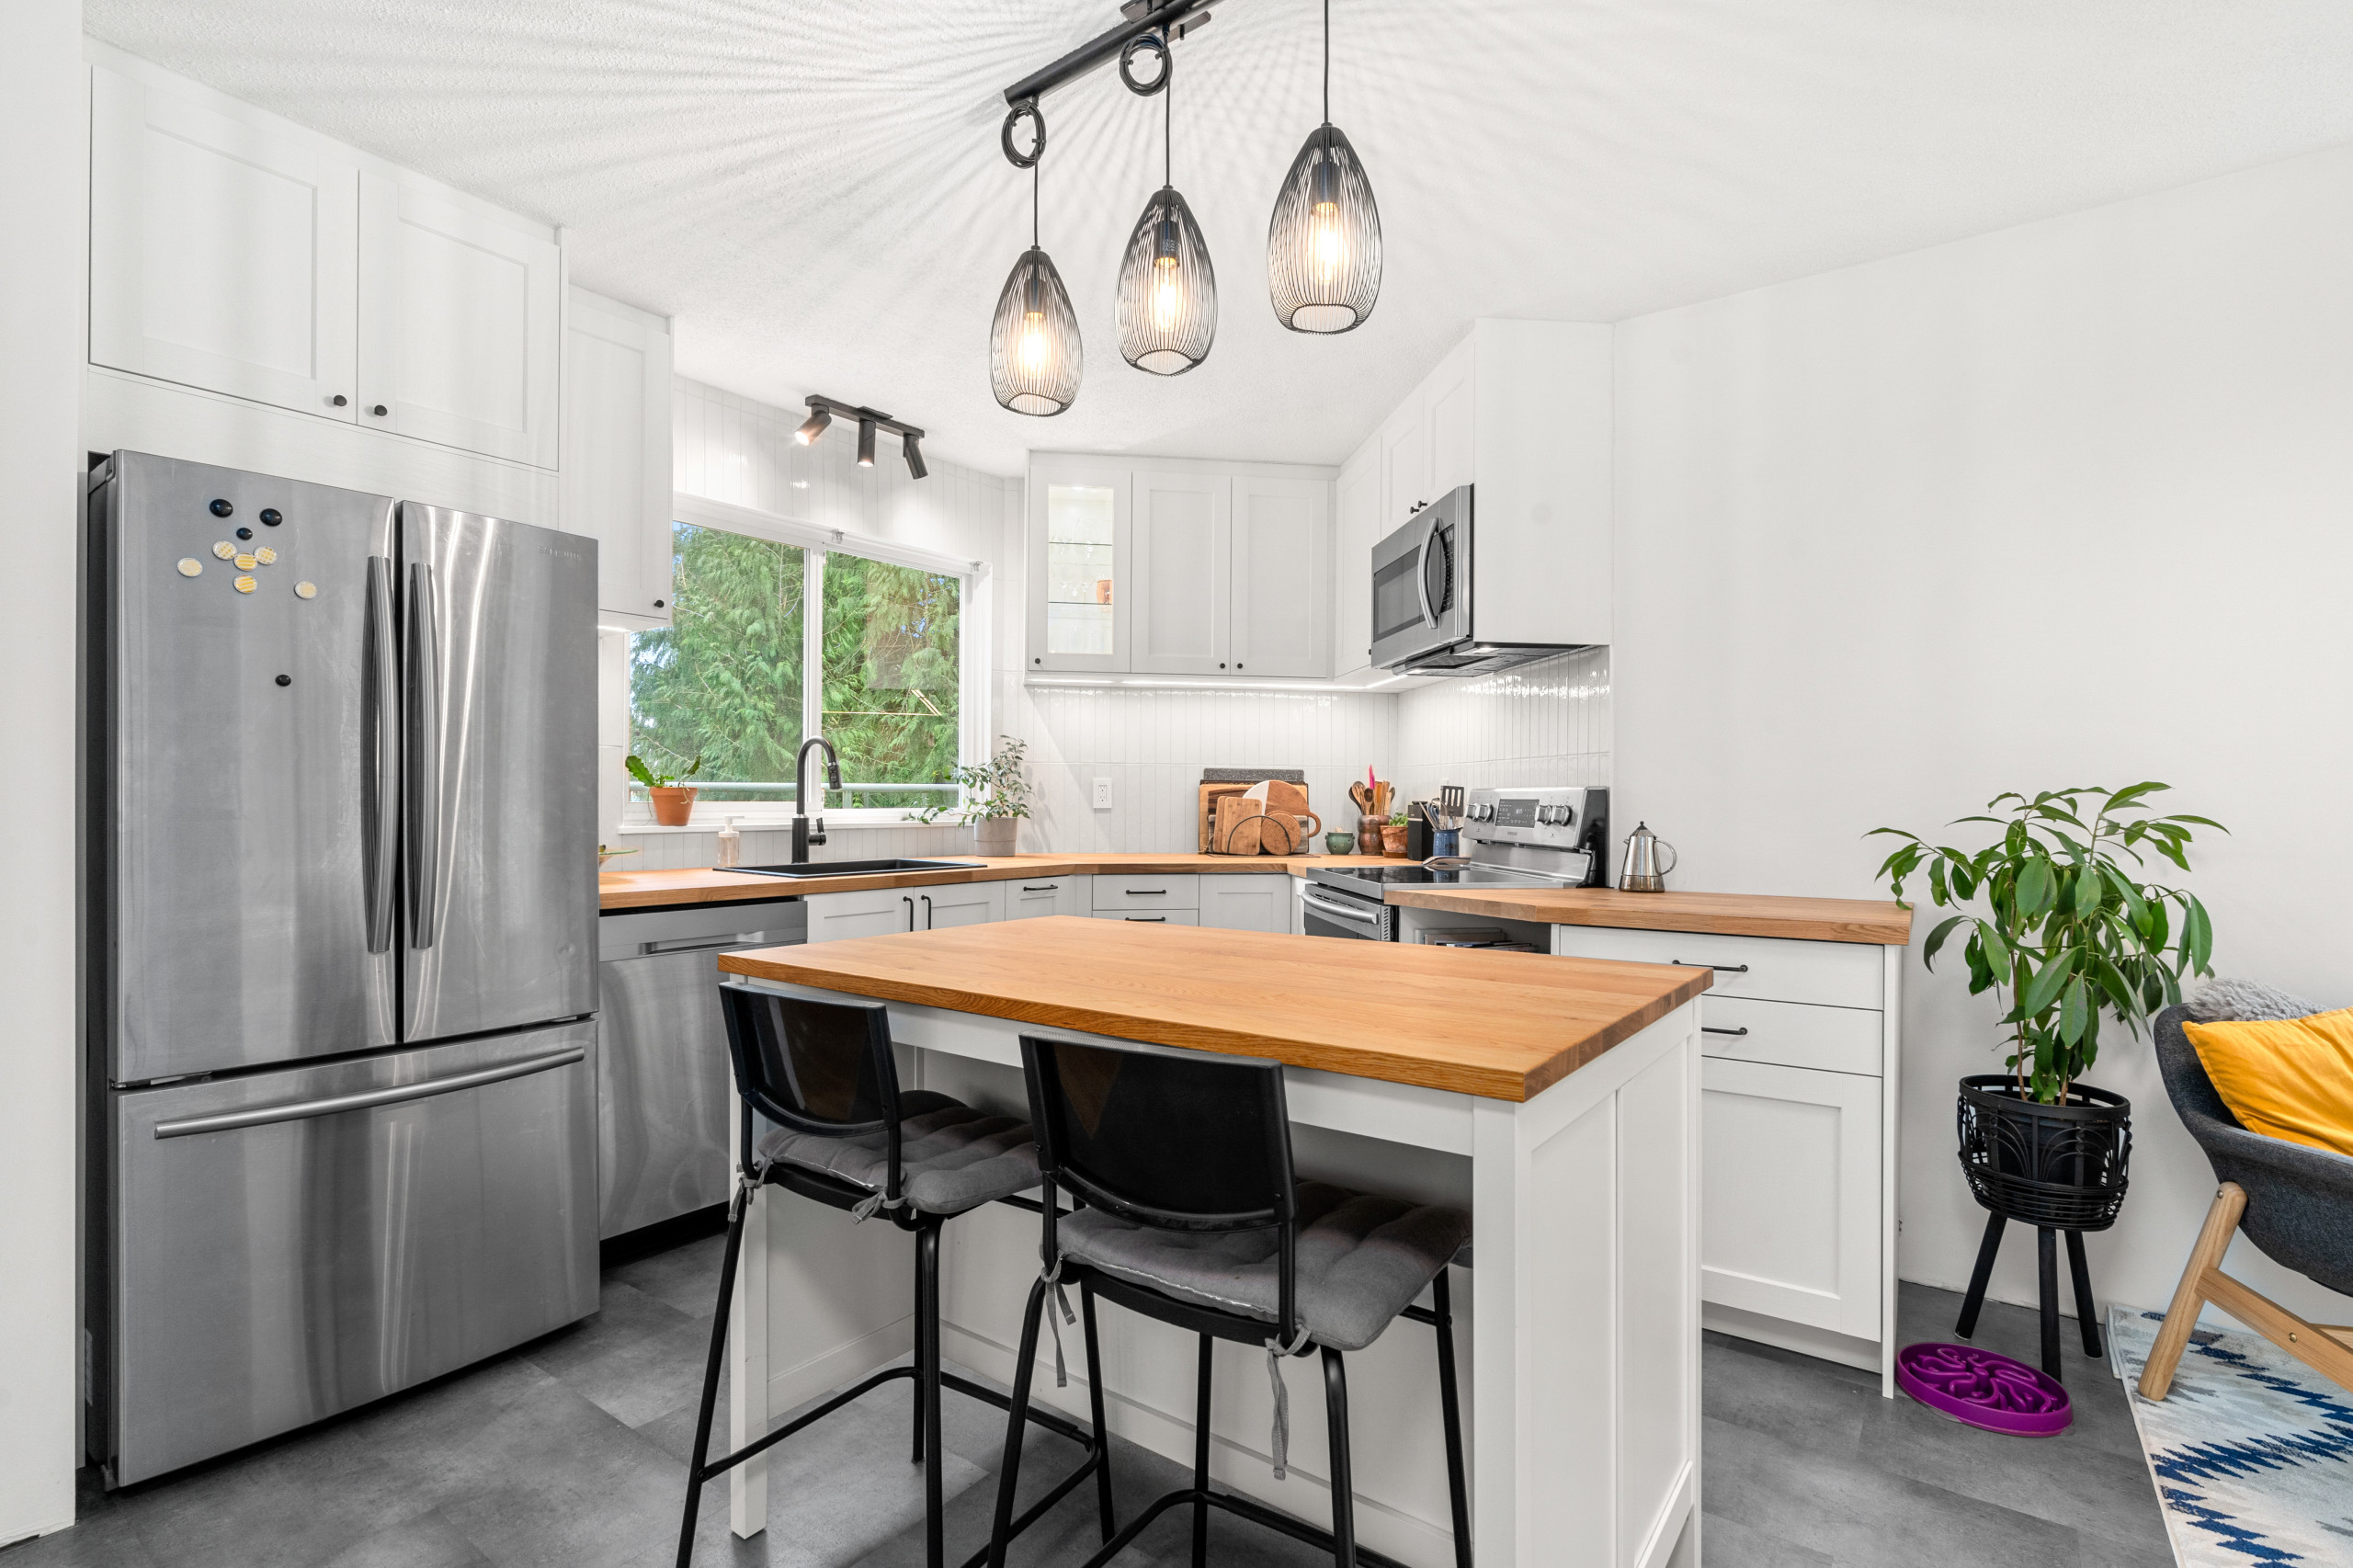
x,y
2060,928
996,799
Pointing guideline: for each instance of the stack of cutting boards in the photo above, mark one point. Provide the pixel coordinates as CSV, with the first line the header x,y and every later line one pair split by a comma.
x,y
1286,799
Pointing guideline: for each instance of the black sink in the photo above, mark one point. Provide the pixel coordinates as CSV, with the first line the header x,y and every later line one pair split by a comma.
x,y
852,867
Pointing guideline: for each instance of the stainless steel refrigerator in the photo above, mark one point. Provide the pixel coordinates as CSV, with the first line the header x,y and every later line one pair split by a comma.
x,y
339,949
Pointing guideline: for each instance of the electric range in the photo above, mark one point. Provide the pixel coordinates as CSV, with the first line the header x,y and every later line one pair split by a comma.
x,y
1552,837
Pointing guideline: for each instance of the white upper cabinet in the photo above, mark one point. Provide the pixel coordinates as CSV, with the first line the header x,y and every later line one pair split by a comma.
x,y
458,312
1281,577
235,252
1360,530
223,253
616,451
1184,599
1180,567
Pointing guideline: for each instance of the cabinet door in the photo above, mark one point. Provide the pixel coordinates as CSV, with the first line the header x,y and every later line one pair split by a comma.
x,y
1166,917
1183,598
972,904
1248,902
1405,466
617,449
223,255
458,317
1281,587
1447,399
878,912
1035,896
1790,1206
1079,567
1359,528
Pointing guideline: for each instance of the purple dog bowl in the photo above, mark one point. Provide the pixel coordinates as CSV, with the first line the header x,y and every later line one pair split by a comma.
x,y
1984,1390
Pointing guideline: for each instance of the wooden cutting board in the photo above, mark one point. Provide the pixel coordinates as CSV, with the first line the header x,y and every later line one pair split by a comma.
x,y
1282,796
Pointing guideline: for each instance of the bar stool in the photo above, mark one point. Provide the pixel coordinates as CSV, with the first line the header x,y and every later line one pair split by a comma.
x,y
846,1135
1192,1216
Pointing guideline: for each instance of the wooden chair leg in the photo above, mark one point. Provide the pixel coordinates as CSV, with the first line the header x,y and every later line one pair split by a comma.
x,y
2308,1343
2213,1240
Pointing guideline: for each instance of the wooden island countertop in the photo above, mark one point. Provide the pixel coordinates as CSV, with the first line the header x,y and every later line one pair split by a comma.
x,y
1497,1025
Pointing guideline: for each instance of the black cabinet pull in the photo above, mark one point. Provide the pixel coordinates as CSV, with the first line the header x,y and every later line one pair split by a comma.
x,y
1719,968
910,903
379,410
927,912
1149,919
1050,887
338,399
1147,892
1707,1030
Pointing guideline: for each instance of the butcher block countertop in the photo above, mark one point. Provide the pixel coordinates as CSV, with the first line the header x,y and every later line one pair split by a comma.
x,y
641,890
1867,920
1501,1026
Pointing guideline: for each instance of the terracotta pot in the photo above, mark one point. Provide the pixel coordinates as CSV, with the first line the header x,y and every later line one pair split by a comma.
x,y
1392,838
673,806
996,836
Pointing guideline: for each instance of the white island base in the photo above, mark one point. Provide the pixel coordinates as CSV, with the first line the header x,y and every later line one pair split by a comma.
x,y
1578,1323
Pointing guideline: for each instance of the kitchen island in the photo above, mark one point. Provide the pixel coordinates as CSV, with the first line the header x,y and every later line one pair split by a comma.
x,y
1558,1100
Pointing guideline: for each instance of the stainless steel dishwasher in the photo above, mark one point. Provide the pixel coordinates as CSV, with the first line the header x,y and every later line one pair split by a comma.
x,y
665,1095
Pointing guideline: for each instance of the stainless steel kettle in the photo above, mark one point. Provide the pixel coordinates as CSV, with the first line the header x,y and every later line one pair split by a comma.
x,y
1641,871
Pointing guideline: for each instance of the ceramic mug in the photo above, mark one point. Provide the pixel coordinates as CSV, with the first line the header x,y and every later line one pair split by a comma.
x,y
1339,843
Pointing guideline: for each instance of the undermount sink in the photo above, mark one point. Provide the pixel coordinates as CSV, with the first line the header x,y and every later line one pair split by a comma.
x,y
852,867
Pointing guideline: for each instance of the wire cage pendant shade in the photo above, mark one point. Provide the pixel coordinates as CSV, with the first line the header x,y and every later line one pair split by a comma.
x,y
1034,352
1324,241
1168,289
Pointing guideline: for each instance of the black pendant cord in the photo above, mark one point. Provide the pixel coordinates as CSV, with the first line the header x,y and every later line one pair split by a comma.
x,y
1168,122
1033,204
1328,62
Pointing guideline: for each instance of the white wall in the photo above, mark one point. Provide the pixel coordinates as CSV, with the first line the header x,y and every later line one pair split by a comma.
x,y
42,119
2070,502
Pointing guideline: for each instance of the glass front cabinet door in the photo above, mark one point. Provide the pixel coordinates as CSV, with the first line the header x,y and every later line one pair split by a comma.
x,y
1078,546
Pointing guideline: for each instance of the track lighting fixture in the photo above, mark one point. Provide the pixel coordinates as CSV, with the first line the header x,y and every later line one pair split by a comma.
x,y
1035,356
1167,288
869,421
1324,241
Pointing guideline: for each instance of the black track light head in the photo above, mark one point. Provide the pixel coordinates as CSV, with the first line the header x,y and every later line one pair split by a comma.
x,y
866,443
814,427
913,449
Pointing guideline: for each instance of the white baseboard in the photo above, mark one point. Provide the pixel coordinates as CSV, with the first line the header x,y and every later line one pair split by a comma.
x,y
1410,1540
843,1365
1806,1340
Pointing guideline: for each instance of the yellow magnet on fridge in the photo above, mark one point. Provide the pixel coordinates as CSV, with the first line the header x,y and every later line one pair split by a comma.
x,y
224,550
306,590
245,585
247,562
265,555
190,566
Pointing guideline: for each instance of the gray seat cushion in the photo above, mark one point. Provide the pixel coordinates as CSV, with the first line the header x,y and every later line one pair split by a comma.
x,y
952,1157
1362,1259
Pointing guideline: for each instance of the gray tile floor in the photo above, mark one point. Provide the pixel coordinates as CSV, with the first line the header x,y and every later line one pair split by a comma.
x,y
570,1452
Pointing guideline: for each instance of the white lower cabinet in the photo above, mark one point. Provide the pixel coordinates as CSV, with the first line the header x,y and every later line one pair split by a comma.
x,y
962,904
1789,1185
1032,897
1164,917
877,912
1798,1135
1250,901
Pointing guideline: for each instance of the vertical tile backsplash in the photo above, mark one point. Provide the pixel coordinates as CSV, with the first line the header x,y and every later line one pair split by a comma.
x,y
1542,723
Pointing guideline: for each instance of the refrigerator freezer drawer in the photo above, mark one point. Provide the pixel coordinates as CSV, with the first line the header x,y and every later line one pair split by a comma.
x,y
294,1244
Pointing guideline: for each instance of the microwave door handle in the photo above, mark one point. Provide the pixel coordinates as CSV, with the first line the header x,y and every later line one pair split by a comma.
x,y
383,719
1422,573
423,845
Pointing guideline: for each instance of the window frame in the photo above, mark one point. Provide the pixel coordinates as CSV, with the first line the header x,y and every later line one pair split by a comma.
x,y
971,658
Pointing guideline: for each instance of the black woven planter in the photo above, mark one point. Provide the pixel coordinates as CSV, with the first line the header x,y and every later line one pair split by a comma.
x,y
2061,1166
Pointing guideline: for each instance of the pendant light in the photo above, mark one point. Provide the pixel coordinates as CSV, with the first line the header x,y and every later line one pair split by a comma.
x,y
1167,288
1034,353
1323,242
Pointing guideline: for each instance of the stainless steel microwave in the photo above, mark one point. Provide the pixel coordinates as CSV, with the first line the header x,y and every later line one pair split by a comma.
x,y
1425,603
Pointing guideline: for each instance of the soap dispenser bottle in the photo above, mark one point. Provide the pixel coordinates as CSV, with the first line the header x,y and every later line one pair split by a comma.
x,y
730,844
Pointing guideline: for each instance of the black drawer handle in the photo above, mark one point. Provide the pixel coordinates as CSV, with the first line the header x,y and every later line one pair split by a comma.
x,y
1048,888
1707,1030
1719,968
1147,892
1148,919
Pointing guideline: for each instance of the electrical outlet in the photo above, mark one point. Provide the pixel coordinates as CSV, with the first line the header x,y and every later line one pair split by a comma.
x,y
1102,794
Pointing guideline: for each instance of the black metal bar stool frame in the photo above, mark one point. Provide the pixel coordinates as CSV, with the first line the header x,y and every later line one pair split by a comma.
x,y
753,1091
1209,1324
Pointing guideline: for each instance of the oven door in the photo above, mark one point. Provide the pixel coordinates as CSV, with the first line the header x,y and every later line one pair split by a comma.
x,y
1326,913
1421,583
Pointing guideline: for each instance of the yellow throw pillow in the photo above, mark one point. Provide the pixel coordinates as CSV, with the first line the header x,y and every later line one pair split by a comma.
x,y
2289,1078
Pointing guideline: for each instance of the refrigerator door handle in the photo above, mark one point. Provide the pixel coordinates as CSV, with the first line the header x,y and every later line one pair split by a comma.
x,y
423,753
298,1110
381,719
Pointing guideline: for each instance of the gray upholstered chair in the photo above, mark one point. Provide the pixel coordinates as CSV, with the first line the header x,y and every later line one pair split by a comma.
x,y
2294,1201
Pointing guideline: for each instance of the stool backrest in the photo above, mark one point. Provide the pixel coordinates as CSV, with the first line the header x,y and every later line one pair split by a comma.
x,y
1175,1141
816,1067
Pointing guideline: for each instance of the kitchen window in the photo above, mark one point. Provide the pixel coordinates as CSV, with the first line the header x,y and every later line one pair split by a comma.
x,y
773,624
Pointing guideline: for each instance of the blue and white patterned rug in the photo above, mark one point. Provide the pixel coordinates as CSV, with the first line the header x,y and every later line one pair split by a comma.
x,y
2252,1449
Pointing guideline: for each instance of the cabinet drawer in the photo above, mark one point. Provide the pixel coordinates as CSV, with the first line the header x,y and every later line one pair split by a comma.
x,y
1159,918
1772,969
1791,1034
1147,893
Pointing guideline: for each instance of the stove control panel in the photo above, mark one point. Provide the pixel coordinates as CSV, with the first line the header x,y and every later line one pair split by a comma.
x,y
1562,817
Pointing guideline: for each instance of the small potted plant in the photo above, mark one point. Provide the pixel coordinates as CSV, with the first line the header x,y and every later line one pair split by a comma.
x,y
996,797
2063,932
673,803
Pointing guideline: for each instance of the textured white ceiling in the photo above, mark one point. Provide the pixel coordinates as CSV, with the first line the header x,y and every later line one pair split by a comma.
x,y
813,188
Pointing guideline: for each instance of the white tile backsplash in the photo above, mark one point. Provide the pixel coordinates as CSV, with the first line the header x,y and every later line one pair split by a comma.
x,y
1542,723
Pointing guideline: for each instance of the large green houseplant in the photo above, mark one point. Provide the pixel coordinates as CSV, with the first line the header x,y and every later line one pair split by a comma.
x,y
2063,929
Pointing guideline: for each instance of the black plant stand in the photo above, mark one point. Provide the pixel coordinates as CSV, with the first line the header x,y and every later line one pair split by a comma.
x,y
2061,1168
